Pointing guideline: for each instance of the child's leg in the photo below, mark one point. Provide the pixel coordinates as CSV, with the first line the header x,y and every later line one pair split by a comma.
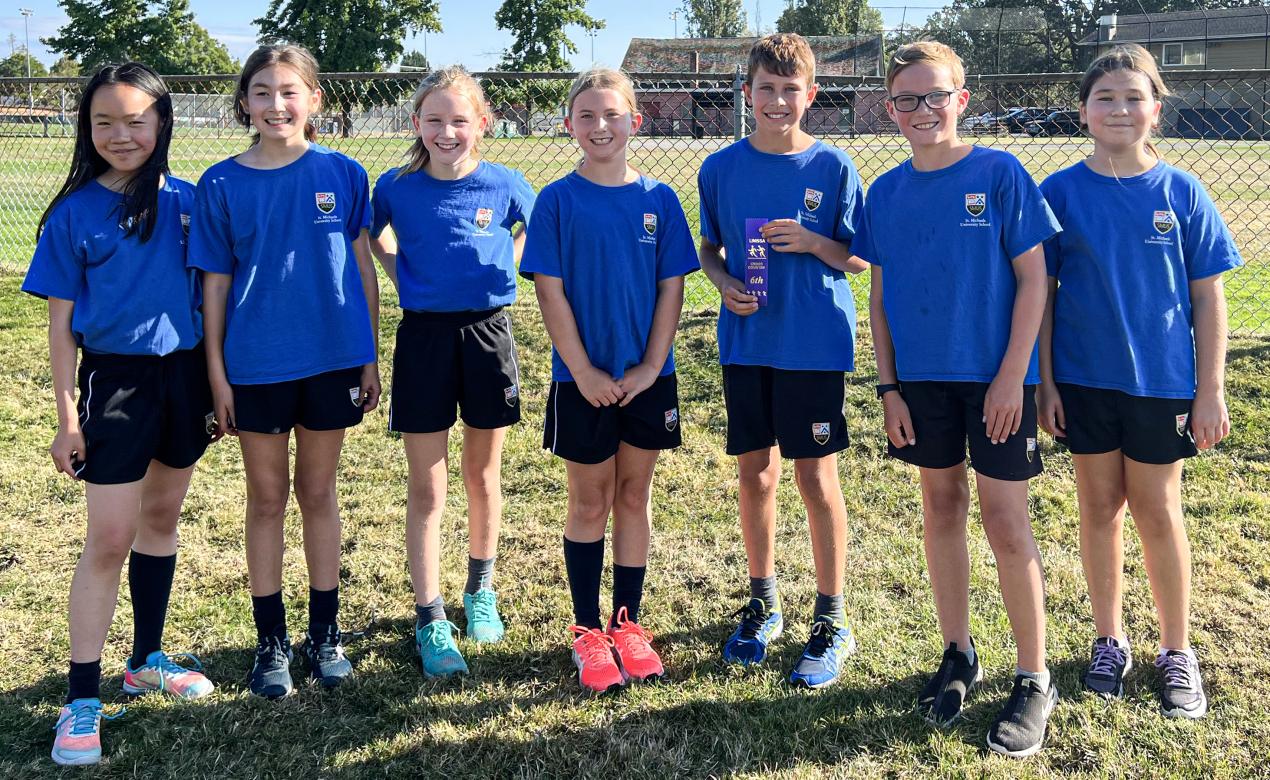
x,y
1100,490
591,489
760,471
632,526
945,503
482,480
1003,505
425,504
817,480
266,463
317,457
1155,500
153,561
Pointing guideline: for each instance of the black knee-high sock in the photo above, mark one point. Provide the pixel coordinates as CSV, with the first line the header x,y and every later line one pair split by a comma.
x,y
84,681
628,590
324,606
269,614
150,584
584,563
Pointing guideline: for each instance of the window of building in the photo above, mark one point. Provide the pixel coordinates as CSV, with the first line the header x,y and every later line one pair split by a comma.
x,y
1188,54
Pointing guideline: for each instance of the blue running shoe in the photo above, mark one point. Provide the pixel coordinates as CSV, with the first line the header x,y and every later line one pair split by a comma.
x,y
758,628
483,623
323,648
827,647
438,653
271,671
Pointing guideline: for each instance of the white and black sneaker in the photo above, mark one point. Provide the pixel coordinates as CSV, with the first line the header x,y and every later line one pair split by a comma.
x,y
1182,695
941,699
1109,663
1019,731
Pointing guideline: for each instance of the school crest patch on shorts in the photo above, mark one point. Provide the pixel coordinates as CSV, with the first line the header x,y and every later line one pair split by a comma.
x,y
209,423
355,395
511,394
1179,423
484,217
325,201
812,198
1162,221
820,432
976,202
1031,449
650,224
672,418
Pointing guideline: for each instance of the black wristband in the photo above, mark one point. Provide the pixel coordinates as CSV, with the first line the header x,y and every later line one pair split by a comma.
x,y
884,389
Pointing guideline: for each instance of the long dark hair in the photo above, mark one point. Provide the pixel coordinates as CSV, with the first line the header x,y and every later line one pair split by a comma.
x,y
141,193
295,57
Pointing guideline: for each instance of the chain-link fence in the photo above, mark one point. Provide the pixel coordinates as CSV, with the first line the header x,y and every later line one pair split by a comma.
x,y
1216,125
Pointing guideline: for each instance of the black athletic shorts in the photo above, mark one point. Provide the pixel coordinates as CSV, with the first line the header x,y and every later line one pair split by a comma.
x,y
948,415
577,431
323,402
799,410
1148,430
137,408
444,360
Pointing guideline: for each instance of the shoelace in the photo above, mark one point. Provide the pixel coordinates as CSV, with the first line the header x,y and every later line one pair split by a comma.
x,y
1177,669
632,633
84,717
271,649
596,646
168,666
483,606
1108,657
751,621
822,636
441,639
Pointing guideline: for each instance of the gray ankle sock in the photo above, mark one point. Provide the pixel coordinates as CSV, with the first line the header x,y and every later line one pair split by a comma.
x,y
433,611
480,573
1042,678
830,607
765,588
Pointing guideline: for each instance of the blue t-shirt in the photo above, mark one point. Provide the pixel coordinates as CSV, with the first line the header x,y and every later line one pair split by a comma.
x,y
454,240
809,320
297,307
610,246
1124,262
945,241
130,298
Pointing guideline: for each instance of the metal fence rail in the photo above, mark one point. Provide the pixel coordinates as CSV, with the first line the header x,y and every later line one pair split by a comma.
x,y
1216,125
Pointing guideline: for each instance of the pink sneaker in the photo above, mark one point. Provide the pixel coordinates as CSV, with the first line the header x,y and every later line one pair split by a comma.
x,y
161,673
78,740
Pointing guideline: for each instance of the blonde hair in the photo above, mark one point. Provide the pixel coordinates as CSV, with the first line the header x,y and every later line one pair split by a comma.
x,y
1130,57
932,52
604,78
782,54
454,77
297,58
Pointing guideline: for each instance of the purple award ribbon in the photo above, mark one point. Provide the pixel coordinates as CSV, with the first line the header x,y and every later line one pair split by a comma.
x,y
756,253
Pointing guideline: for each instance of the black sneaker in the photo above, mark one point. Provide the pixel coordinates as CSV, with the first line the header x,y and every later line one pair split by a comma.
x,y
1108,665
941,699
322,649
271,671
1183,693
1019,731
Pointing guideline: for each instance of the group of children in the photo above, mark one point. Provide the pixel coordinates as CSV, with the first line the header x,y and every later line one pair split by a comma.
x,y
249,306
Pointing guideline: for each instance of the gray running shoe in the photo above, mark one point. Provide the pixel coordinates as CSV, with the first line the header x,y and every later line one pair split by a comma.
x,y
325,654
1019,731
1109,663
941,699
1182,695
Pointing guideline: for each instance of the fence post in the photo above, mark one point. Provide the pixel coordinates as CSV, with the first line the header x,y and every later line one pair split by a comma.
x,y
738,106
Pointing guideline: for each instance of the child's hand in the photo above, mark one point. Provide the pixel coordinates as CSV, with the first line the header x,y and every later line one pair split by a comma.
x,y
597,387
68,448
1003,409
223,406
371,387
1049,410
635,381
1210,422
899,423
736,299
786,235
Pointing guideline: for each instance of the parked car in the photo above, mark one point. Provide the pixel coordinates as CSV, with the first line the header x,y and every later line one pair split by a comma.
x,y
1015,120
985,123
1057,123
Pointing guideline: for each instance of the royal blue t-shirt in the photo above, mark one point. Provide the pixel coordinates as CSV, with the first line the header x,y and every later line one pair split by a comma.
x,y
1124,262
131,298
297,307
454,242
610,246
945,241
809,320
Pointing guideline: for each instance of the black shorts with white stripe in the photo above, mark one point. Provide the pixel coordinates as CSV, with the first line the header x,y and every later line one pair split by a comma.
x,y
577,431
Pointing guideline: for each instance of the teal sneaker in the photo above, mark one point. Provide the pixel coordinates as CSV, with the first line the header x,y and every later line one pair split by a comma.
x,y
758,628
438,653
821,662
483,623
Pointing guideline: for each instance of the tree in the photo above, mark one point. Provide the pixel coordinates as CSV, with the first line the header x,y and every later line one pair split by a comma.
x,y
66,66
714,18
163,35
15,65
830,17
414,60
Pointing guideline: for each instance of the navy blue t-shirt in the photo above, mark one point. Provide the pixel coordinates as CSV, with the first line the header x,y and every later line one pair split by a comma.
x,y
610,246
297,307
1124,262
454,243
809,320
131,298
945,241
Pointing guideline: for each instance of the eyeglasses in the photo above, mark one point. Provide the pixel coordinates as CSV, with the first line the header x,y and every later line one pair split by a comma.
x,y
933,100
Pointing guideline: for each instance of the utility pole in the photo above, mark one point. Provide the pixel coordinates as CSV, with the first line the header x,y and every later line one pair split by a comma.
x,y
26,31
674,17
592,34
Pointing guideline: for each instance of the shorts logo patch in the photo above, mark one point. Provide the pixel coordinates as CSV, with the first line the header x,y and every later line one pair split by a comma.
x,y
325,202
1031,449
1179,423
672,418
976,202
812,198
820,432
511,395
355,395
650,224
484,217
209,423
1163,221
185,224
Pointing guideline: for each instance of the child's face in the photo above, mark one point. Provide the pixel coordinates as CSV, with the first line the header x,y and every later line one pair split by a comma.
x,y
449,126
1121,109
779,102
125,126
926,126
602,122
279,103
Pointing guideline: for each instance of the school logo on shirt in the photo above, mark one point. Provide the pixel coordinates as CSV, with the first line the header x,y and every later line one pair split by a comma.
x,y
325,202
812,198
976,202
511,395
820,432
355,395
650,224
672,418
185,224
1179,423
1163,221
484,217
1031,449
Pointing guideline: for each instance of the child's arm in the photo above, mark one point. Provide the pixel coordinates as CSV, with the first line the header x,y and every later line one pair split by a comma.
x,y
518,243
371,387
731,289
596,386
68,445
1003,404
384,247
215,293
1049,405
1210,422
661,337
899,423
787,235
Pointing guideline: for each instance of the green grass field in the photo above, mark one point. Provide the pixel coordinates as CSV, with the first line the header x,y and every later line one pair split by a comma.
x,y
521,713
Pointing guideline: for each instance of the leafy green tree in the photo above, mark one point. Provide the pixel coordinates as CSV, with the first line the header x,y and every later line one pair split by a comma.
x,y
66,66
15,65
714,18
414,60
830,17
164,35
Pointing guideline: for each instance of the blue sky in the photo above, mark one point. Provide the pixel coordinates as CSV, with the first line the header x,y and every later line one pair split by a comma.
x,y
469,35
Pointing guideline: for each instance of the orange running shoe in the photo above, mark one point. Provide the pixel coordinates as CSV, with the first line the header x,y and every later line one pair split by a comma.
x,y
593,654
638,658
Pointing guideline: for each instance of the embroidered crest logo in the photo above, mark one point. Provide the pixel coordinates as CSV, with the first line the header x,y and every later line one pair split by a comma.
x,y
650,224
812,198
1031,449
820,432
1179,423
672,418
355,395
1163,221
185,223
511,395
325,202
209,423
976,202
484,217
